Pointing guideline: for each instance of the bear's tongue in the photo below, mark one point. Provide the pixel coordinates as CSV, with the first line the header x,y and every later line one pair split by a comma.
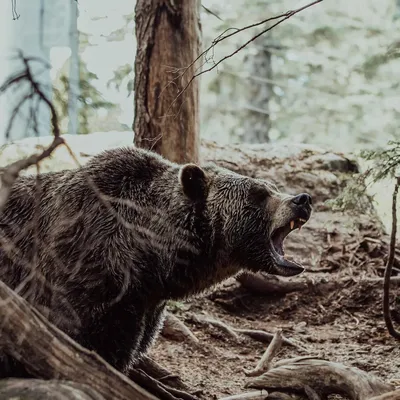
x,y
284,266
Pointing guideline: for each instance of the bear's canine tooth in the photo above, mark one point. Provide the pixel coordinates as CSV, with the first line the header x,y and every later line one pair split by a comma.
x,y
292,224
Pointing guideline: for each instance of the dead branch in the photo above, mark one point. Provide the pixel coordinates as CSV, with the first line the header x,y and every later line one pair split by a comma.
x,y
12,171
323,378
175,329
36,389
222,37
14,10
389,266
51,354
264,364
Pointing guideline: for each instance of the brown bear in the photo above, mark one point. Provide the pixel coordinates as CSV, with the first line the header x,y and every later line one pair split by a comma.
x,y
99,250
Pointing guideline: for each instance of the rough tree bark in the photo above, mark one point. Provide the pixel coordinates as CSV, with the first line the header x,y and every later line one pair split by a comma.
x,y
168,41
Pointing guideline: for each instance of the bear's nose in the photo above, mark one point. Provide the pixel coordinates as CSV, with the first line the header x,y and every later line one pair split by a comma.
x,y
302,199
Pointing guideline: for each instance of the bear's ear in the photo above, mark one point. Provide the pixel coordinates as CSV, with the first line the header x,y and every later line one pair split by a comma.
x,y
194,182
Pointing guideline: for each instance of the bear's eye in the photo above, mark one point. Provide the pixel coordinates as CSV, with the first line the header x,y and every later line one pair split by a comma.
x,y
258,195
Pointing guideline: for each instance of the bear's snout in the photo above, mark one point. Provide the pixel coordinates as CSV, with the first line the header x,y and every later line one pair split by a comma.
x,y
302,199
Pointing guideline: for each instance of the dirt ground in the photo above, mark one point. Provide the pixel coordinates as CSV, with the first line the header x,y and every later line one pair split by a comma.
x,y
338,317
344,325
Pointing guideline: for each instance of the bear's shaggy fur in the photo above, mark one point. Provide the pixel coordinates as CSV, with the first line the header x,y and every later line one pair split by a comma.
x,y
100,250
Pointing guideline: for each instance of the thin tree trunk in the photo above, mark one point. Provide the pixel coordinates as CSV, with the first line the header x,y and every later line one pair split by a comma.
x,y
168,41
257,122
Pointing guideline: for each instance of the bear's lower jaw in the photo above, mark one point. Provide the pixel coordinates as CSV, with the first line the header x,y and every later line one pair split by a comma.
x,y
283,267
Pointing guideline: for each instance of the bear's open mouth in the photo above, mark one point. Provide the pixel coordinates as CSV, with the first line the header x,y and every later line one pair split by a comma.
x,y
284,266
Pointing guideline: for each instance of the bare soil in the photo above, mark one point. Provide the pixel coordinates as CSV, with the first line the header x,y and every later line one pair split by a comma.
x,y
344,325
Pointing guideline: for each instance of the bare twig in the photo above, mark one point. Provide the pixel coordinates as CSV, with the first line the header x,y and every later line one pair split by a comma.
x,y
15,112
222,37
388,272
14,10
12,171
208,11
265,362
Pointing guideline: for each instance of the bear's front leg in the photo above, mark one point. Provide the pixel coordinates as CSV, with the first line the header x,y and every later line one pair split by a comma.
x,y
116,335
151,325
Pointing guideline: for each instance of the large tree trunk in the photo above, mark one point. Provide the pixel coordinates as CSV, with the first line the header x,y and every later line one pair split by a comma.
x,y
168,41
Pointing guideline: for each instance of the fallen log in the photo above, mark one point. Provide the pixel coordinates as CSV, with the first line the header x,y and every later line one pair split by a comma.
x,y
37,389
49,353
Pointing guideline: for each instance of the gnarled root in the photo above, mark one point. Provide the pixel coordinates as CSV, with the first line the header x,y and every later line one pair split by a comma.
x,y
319,378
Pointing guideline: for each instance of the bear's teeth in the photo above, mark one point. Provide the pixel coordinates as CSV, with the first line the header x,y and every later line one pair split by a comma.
x,y
291,224
302,220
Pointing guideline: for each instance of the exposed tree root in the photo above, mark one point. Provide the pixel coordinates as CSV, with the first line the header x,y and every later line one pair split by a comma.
x,y
259,284
205,320
158,372
319,378
264,364
175,329
235,333
266,337
159,389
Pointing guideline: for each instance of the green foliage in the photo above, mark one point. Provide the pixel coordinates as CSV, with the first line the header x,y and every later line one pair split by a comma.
x,y
324,33
385,164
89,99
119,34
372,64
353,197
174,306
119,75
